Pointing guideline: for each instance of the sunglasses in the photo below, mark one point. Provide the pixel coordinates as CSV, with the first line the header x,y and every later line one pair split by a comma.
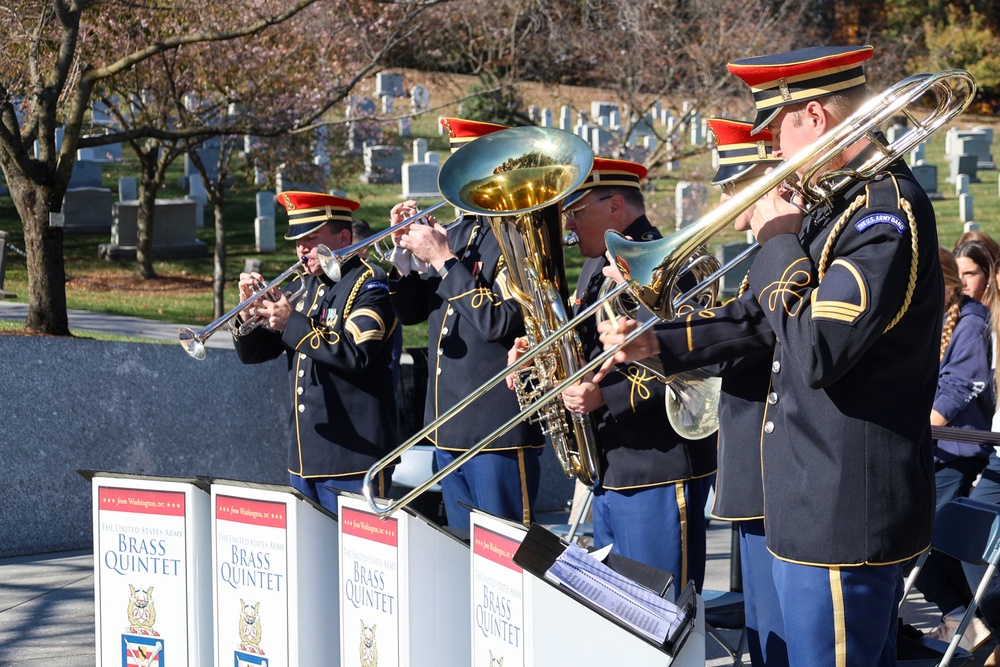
x,y
572,213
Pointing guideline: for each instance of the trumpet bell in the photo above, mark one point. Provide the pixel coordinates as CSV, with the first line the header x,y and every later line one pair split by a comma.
x,y
192,343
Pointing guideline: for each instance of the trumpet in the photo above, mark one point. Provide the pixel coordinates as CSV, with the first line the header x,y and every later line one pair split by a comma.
x,y
193,341
649,272
339,257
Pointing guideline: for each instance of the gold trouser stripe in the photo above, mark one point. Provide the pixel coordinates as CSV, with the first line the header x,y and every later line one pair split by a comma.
x,y
682,516
839,621
525,505
381,484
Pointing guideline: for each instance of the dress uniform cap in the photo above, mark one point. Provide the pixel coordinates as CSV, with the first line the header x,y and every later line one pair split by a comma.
x,y
308,211
608,173
799,76
461,131
739,152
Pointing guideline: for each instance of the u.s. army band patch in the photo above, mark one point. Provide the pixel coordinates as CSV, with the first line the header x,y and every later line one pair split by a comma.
x,y
880,219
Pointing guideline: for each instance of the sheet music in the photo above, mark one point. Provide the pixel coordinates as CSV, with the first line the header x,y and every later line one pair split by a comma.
x,y
637,606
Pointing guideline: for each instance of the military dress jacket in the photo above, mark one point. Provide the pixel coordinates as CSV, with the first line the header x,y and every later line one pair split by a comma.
x,y
845,442
338,347
472,321
638,446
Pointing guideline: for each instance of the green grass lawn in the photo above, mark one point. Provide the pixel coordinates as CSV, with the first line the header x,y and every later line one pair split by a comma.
x,y
183,293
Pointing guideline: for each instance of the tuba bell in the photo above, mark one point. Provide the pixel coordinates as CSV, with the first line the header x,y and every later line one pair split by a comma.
x,y
520,197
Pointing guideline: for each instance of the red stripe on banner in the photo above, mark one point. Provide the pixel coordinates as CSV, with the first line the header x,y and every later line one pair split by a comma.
x,y
140,501
495,547
253,512
368,526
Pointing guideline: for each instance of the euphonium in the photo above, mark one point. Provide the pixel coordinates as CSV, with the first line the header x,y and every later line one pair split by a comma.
x,y
519,198
692,397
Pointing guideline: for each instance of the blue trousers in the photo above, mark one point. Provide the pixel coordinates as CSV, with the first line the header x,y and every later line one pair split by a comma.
x,y
765,629
321,489
839,617
662,526
503,483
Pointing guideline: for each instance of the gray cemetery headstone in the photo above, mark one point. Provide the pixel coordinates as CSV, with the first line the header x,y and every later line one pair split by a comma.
x,y
637,154
389,84
253,265
965,204
603,121
671,124
265,204
209,156
87,210
263,224
420,181
546,118
730,283
419,149
970,227
927,178
715,159
602,142
86,154
197,194
173,233
128,188
690,200
533,113
386,104
696,136
977,144
673,165
918,154
403,127
665,116
565,118
599,108
440,126
963,164
383,164
582,130
649,142
614,119
432,158
366,131
303,179
686,107
420,99
86,174
961,185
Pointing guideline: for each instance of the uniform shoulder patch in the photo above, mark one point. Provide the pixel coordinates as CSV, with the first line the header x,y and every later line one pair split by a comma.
x,y
873,219
843,294
376,284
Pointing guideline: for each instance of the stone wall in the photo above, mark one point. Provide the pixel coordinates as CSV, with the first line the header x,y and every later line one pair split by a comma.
x,y
74,404
79,404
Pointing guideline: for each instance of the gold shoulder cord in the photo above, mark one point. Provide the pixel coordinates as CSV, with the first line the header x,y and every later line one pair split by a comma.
x,y
914,245
837,228
354,290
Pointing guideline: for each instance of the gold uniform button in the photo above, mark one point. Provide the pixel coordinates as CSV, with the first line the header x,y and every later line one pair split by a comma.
x,y
776,366
772,398
302,355
444,331
302,408
302,373
300,391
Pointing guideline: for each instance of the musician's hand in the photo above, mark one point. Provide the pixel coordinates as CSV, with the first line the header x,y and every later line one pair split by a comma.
x,y
248,286
777,212
428,243
611,271
401,212
274,313
613,334
513,354
583,397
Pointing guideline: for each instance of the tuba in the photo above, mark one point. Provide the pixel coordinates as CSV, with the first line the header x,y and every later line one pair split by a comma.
x,y
692,397
520,198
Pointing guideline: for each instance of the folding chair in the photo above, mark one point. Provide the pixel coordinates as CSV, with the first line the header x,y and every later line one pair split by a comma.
x,y
969,531
724,610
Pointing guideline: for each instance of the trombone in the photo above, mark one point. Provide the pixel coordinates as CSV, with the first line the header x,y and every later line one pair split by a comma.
x,y
652,280
193,341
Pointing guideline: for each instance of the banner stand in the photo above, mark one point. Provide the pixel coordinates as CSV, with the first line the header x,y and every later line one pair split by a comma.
x,y
404,595
275,568
152,570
